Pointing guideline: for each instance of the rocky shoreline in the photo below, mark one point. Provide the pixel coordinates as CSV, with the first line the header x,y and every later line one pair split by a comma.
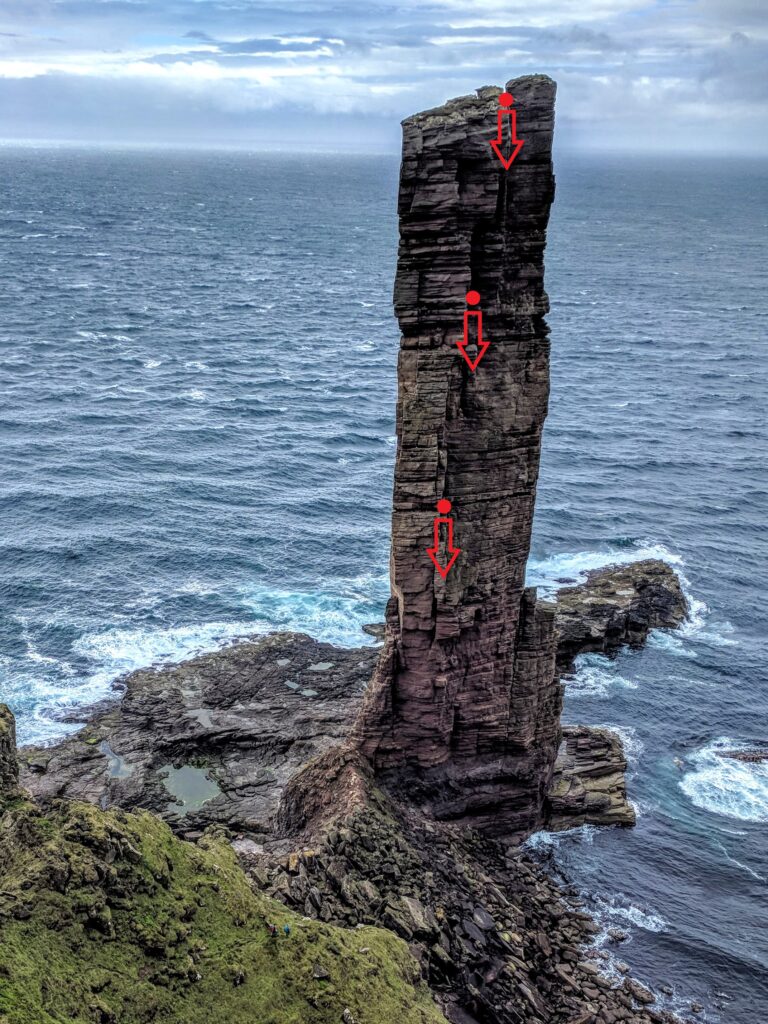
x,y
497,939
215,740
213,743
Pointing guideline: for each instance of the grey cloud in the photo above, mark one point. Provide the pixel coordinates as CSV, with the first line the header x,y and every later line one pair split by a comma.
x,y
737,70
642,74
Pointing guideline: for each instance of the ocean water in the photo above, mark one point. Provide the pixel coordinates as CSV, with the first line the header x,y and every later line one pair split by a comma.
x,y
197,386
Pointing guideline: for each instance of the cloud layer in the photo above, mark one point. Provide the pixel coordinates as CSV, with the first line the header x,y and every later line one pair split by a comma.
x,y
664,74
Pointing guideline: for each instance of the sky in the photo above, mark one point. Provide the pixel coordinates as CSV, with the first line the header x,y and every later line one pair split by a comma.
x,y
339,75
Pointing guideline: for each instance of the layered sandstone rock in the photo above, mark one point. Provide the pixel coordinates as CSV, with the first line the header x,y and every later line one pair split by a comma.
x,y
9,768
589,783
464,708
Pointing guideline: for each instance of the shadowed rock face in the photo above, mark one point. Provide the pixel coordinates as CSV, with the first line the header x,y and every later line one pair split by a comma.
x,y
465,704
9,768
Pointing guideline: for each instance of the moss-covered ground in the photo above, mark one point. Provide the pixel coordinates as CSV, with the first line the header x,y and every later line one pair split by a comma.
x,y
107,917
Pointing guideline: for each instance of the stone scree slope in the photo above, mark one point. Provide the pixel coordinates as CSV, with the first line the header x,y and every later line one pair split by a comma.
x,y
464,708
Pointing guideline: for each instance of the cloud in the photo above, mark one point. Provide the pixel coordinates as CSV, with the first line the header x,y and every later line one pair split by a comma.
x,y
636,73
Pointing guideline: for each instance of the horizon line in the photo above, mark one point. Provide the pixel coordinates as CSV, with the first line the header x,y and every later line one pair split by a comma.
x,y
372,151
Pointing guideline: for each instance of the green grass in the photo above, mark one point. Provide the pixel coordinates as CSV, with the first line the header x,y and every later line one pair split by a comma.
x,y
107,917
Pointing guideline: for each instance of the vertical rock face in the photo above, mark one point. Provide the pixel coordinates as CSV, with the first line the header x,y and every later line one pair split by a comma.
x,y
9,768
464,708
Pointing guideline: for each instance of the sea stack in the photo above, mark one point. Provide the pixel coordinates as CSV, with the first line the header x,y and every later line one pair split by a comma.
x,y
463,712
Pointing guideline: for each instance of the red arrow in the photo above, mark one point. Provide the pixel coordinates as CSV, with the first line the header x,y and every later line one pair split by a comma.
x,y
505,110
473,298
451,552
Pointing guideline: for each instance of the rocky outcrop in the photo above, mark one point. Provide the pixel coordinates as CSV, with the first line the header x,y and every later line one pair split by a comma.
x,y
589,784
212,740
464,707
328,789
617,606
9,768
748,756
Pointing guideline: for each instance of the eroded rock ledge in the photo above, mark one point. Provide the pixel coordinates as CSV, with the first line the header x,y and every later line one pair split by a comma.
x,y
617,606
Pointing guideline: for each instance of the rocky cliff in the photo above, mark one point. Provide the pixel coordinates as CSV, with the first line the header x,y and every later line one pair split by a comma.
x,y
464,707
9,767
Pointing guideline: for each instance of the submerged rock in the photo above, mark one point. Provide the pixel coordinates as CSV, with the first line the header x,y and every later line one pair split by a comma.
x,y
748,756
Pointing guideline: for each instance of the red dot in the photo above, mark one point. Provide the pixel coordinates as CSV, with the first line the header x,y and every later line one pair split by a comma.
x,y
473,297
443,506
506,99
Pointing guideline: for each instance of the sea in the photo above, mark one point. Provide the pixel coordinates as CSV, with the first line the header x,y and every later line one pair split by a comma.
x,y
197,396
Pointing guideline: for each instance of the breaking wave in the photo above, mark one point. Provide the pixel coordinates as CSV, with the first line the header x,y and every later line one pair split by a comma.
x,y
724,785
596,675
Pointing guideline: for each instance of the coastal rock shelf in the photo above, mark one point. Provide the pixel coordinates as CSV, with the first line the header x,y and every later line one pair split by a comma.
x,y
239,721
617,606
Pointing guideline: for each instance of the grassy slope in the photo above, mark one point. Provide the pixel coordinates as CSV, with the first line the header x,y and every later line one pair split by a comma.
x,y
107,917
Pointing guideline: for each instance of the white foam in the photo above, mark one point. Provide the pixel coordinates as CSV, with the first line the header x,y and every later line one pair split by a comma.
x,y
195,394
543,841
743,867
618,908
118,651
544,573
662,640
195,586
698,627
595,675
334,616
633,746
724,785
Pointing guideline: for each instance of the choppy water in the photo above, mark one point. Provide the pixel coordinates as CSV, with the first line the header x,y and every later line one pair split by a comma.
x,y
197,376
